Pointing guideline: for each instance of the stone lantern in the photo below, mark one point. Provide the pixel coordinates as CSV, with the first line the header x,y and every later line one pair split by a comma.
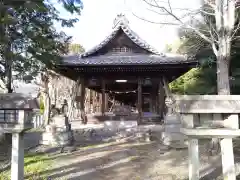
x,y
15,118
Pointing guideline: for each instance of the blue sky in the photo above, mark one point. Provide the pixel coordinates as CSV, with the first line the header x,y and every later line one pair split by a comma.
x,y
96,21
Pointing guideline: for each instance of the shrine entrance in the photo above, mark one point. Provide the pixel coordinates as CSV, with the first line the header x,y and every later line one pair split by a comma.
x,y
124,71
143,97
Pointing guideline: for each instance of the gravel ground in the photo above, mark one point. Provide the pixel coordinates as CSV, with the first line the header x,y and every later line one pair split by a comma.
x,y
126,159
133,161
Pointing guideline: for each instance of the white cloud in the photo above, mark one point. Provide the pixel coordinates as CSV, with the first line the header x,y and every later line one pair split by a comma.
x,y
97,17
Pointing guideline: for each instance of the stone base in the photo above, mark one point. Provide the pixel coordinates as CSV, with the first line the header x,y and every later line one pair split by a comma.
x,y
174,140
144,136
57,138
135,134
171,136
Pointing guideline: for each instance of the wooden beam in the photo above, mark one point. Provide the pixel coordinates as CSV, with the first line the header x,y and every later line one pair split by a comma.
x,y
139,99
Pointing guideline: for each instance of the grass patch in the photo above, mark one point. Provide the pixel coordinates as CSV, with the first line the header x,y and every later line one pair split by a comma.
x,y
35,130
34,164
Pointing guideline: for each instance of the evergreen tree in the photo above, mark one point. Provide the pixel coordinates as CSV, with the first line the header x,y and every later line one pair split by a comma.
x,y
29,43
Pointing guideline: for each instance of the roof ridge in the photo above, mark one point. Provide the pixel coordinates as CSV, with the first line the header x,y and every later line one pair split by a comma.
x,y
136,38
103,43
132,35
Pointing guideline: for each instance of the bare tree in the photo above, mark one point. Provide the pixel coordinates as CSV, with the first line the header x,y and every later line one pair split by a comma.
x,y
222,32
222,27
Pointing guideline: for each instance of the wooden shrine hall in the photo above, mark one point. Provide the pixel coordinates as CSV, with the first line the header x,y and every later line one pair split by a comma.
x,y
127,69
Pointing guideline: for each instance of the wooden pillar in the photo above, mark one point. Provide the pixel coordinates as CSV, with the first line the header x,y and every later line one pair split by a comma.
x,y
94,102
99,96
106,101
161,99
139,100
154,97
88,101
103,104
82,100
150,103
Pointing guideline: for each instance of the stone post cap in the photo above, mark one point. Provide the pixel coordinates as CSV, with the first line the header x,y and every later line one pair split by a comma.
x,y
16,101
207,104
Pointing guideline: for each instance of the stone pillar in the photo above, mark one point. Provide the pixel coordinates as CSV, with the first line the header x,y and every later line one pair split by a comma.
x,y
193,153
193,150
228,166
172,123
17,165
139,100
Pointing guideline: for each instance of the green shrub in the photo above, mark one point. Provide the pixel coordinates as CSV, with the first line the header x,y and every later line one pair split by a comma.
x,y
41,104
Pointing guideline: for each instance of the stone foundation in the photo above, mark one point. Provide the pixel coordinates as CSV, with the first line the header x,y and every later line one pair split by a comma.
x,y
59,133
58,138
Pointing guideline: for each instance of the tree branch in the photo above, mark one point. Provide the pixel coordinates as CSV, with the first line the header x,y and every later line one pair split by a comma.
x,y
179,20
169,5
153,22
236,30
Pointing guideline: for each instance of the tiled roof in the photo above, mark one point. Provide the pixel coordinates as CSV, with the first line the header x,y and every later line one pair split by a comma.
x,y
125,59
131,35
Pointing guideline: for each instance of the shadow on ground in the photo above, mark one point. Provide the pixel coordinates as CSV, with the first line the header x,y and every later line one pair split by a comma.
x,y
131,160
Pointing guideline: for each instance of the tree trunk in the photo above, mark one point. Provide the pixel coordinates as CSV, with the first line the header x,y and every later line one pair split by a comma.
x,y
9,77
223,84
223,59
47,108
8,68
225,18
74,94
46,98
224,15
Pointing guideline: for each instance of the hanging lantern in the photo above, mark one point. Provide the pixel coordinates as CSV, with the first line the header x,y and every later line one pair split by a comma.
x,y
93,82
147,82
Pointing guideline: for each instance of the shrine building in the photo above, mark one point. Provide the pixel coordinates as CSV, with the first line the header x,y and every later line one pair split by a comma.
x,y
125,69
